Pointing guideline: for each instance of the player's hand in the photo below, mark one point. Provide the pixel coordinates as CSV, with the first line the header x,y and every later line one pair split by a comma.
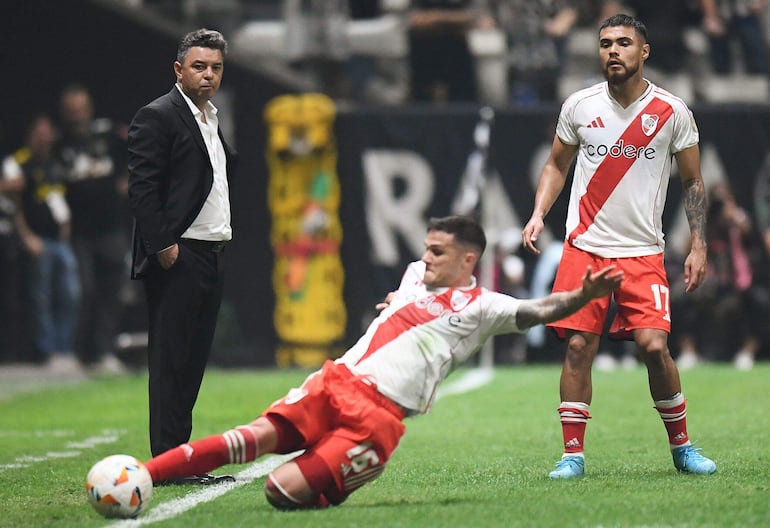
x,y
694,269
530,233
386,302
601,283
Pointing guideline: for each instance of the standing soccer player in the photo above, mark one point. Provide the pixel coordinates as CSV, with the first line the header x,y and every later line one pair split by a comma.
x,y
624,132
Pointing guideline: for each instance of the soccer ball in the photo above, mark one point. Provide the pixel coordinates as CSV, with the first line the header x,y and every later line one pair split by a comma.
x,y
119,486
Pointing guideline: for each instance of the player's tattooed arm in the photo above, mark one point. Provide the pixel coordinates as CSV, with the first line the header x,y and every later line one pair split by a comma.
x,y
694,199
559,305
695,208
548,309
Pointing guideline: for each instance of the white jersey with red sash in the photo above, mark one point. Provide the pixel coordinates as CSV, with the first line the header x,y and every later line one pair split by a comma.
x,y
623,167
424,334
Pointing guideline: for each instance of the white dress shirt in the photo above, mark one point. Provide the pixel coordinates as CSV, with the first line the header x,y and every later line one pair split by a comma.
x,y
213,221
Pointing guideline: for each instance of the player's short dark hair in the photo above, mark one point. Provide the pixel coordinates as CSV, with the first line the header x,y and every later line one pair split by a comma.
x,y
464,229
625,20
201,38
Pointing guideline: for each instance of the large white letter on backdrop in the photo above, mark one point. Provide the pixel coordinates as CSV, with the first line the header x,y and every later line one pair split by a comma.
x,y
390,214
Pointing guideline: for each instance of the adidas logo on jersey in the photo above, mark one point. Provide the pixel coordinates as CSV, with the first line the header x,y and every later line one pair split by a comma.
x,y
596,123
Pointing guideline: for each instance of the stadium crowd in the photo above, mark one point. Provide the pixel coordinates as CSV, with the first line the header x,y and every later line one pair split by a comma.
x,y
496,51
64,240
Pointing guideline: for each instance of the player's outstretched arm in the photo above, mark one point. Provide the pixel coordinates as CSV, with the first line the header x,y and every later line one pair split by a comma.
x,y
561,304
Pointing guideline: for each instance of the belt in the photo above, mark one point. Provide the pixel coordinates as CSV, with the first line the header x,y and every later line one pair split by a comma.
x,y
215,246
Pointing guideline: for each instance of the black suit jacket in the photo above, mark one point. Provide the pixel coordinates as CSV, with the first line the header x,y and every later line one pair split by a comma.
x,y
170,176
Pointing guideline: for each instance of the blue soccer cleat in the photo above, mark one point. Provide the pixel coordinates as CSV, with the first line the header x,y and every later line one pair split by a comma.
x,y
687,459
568,467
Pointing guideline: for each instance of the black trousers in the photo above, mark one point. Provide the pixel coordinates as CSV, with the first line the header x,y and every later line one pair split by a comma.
x,y
183,304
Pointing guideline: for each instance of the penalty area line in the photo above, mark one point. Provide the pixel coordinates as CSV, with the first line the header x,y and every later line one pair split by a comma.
x,y
173,508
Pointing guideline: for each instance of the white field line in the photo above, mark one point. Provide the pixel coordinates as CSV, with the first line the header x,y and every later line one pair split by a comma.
x,y
173,508
74,449
472,380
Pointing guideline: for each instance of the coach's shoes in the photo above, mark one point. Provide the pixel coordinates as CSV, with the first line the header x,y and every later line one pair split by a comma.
x,y
568,467
200,480
687,459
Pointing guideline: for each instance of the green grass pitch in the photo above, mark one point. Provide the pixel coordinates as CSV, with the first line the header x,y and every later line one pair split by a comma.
x,y
479,459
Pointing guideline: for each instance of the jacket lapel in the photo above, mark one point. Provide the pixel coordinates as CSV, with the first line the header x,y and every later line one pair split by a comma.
x,y
189,120
187,117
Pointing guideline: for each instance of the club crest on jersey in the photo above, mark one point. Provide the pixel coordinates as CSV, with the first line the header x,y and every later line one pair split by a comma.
x,y
459,300
649,123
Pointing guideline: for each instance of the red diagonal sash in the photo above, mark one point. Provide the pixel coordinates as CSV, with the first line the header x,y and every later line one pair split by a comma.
x,y
611,170
411,316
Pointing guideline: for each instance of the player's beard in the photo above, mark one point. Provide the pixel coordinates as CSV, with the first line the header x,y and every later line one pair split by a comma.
x,y
620,78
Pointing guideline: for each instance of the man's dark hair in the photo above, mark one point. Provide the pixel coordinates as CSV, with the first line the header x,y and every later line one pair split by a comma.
x,y
201,38
625,20
464,229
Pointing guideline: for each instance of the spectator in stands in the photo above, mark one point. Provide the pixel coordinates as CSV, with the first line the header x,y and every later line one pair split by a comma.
x,y
43,223
731,308
536,33
11,185
380,78
725,20
93,154
762,203
316,36
440,61
762,211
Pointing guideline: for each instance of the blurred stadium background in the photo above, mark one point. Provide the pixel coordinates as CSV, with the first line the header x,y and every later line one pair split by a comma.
x,y
331,122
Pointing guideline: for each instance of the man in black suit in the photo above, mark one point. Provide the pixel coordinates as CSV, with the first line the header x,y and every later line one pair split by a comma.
x,y
179,166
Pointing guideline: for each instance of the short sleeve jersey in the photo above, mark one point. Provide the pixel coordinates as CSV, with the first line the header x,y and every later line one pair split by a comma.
x,y
424,333
623,167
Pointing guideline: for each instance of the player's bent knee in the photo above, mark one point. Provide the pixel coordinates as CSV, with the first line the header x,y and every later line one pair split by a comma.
x,y
278,497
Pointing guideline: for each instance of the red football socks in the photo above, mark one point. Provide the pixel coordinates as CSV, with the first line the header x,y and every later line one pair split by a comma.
x,y
673,412
574,417
236,446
